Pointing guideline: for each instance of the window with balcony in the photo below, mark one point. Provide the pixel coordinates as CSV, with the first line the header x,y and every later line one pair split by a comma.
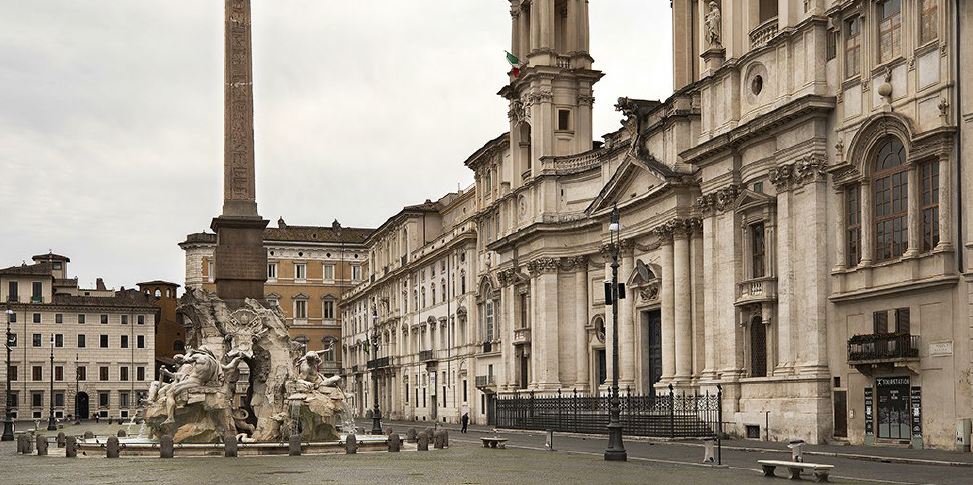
x,y
928,21
929,177
889,30
757,252
37,291
12,288
853,225
890,182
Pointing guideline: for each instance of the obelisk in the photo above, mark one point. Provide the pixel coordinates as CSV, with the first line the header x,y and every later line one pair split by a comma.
x,y
241,260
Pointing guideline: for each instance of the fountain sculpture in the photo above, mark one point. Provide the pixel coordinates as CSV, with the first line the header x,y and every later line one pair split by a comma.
x,y
286,393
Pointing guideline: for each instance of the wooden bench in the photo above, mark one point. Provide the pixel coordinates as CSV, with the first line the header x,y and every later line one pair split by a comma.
x,y
491,442
820,471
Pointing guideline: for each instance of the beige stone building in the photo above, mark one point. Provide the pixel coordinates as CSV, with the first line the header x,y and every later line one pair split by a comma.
x,y
308,269
103,343
794,227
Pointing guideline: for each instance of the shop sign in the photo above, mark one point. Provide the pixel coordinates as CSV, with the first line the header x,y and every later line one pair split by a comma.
x,y
869,415
916,412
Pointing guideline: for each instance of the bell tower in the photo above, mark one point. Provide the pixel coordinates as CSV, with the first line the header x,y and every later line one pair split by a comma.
x,y
551,95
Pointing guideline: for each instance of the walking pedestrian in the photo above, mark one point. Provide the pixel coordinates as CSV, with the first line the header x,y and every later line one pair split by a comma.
x,y
466,421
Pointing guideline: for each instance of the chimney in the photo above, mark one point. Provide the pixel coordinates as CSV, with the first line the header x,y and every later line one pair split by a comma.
x,y
100,284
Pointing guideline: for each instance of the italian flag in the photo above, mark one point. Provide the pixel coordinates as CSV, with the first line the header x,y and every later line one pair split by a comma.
x,y
514,63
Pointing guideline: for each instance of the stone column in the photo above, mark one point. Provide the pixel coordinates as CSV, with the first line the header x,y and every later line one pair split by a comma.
x,y
581,321
609,330
535,26
945,201
914,218
523,47
506,336
709,289
683,305
697,270
546,11
785,363
840,222
515,30
535,327
547,306
868,225
668,297
572,23
626,333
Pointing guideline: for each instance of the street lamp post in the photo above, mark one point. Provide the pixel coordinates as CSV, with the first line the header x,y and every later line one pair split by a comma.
x,y
377,414
8,421
616,449
51,423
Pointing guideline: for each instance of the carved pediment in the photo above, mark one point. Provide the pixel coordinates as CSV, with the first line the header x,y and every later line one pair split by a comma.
x,y
749,199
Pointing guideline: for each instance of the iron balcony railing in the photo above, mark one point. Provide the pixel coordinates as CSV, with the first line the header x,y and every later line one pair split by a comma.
x,y
883,347
426,355
668,415
486,381
378,363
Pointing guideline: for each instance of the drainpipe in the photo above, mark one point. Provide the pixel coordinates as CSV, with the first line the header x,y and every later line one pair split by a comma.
x,y
959,144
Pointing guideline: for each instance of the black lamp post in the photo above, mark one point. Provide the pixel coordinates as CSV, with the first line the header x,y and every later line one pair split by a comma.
x,y
616,449
377,414
8,421
77,389
51,423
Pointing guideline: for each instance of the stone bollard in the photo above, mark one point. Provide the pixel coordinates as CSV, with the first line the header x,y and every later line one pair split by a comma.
x,y
395,444
28,443
430,433
111,450
41,445
410,435
88,435
70,447
165,447
20,444
439,441
446,438
121,433
423,442
60,439
109,420
294,445
351,444
230,446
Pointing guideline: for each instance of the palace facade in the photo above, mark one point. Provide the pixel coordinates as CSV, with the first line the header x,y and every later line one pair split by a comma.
x,y
793,230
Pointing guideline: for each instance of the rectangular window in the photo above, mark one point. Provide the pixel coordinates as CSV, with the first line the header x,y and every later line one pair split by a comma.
x,y
328,310
59,340
140,341
271,271
889,29
12,318
14,401
123,399
37,291
488,318
12,288
13,373
902,320
82,373
36,399
124,341
300,271
891,216
832,44
13,340
930,205
103,341
104,319
59,318
300,309
329,271
928,21
103,400
880,322
37,373
757,252
123,373
81,341
37,318
140,373
853,225
103,373
564,119
124,319
36,340
141,320
853,62
58,373
59,399
356,272
81,318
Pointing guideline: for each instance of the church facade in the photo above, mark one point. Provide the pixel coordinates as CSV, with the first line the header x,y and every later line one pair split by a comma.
x,y
793,230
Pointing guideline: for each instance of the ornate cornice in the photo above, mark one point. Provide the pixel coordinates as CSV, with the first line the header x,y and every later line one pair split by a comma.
x,y
678,227
543,265
807,170
505,276
718,200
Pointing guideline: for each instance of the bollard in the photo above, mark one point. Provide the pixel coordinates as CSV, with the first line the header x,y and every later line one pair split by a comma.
x,y
88,435
549,440
20,444
294,445
439,441
230,446
60,439
111,451
423,442
709,455
395,444
410,435
797,450
165,447
121,433
71,447
351,444
41,445
28,443
430,433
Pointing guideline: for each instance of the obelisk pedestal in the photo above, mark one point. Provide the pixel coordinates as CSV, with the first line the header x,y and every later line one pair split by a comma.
x,y
241,260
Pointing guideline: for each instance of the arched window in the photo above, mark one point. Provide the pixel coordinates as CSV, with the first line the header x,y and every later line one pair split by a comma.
x,y
158,294
432,294
443,287
890,185
168,293
758,347
486,311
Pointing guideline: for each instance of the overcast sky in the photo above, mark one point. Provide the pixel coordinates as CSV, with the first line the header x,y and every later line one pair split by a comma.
x,y
111,114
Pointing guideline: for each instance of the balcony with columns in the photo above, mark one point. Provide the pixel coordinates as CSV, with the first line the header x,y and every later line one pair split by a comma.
x,y
522,336
756,290
764,32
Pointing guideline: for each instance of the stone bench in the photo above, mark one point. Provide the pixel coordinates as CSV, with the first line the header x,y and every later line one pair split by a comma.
x,y
820,471
491,442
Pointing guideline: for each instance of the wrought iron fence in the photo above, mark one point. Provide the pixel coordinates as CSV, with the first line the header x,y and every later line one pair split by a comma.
x,y
671,415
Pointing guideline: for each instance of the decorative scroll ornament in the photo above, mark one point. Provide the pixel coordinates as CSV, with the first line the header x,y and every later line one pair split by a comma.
x,y
505,276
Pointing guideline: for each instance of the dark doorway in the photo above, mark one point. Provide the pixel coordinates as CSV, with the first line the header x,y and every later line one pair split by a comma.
x,y
433,408
602,366
893,407
491,409
653,318
841,414
82,405
758,348
524,366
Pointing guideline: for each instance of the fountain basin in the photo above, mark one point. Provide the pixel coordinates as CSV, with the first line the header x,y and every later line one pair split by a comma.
x,y
136,446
